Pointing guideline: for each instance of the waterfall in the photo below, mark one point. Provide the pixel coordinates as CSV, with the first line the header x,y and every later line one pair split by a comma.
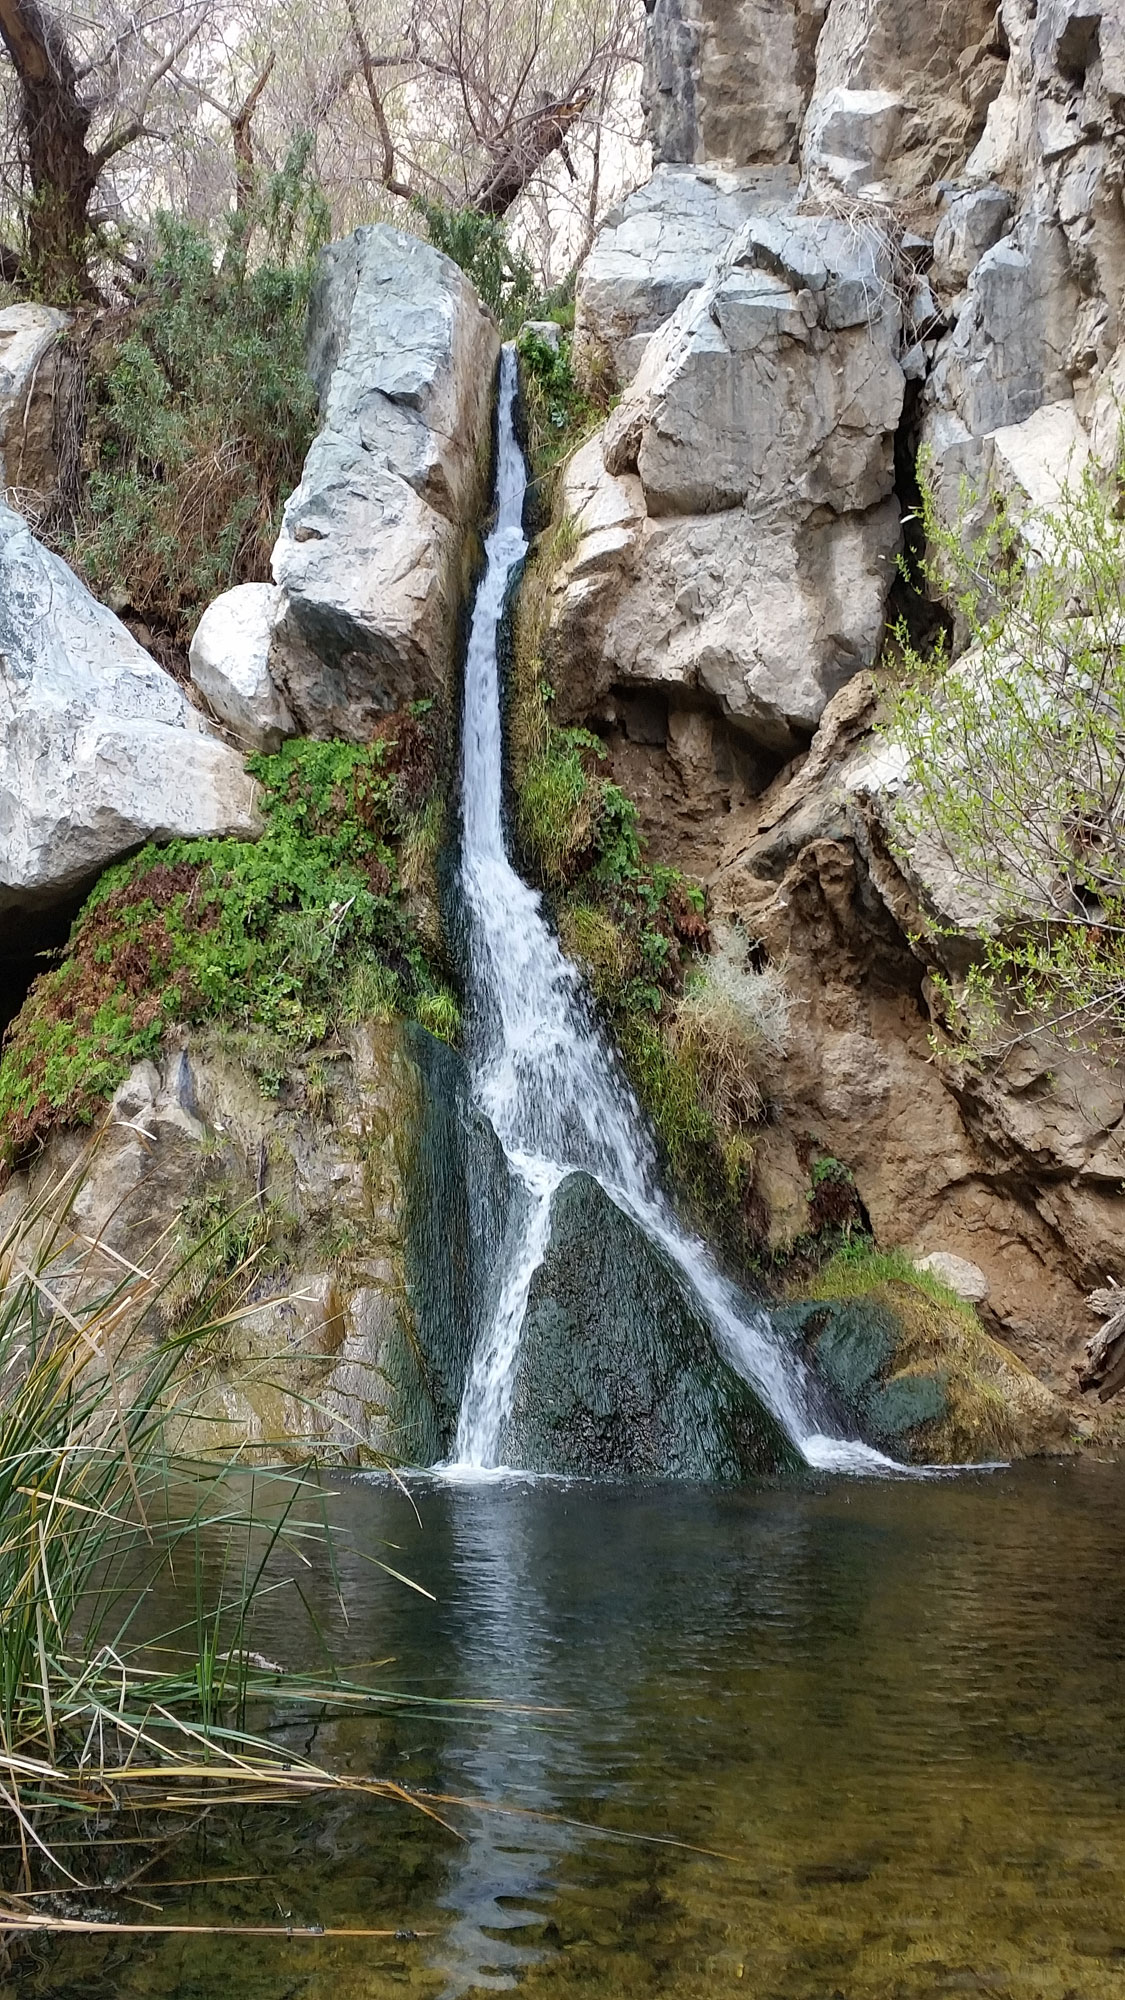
x,y
546,1076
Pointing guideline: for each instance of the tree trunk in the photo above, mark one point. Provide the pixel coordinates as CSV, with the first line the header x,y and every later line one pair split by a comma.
x,y
54,124
532,139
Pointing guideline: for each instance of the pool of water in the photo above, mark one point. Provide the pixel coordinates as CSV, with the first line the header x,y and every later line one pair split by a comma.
x,y
830,1743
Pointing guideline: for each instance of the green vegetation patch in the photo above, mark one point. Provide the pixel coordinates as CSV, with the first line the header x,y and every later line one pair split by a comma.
x,y
560,409
914,1363
282,938
198,412
697,1028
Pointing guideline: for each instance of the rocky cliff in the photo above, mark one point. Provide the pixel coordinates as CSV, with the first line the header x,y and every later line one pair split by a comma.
x,y
872,228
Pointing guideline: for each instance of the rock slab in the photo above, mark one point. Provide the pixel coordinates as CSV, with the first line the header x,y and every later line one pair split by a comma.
x,y
99,749
618,1373
373,551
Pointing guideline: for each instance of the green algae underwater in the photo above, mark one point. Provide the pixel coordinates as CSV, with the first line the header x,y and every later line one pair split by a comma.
x,y
845,1741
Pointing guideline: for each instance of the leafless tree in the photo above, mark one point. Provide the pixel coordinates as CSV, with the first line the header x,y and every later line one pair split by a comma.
x,y
114,108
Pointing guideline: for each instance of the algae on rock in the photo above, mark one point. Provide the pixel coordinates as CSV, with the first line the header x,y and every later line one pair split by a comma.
x,y
917,1370
618,1372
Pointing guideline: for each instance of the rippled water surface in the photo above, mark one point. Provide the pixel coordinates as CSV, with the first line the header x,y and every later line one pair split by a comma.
x,y
893,1712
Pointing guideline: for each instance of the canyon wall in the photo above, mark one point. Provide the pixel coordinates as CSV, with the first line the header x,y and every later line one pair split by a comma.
x,y
872,228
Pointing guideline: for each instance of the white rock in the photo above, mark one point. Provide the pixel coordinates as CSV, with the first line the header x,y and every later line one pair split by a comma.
x,y
99,749
373,543
229,659
26,406
657,247
967,1280
1035,462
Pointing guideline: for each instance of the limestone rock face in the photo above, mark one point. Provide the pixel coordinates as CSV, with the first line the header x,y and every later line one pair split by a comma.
x,y
735,534
99,749
230,665
372,553
900,92
1041,318
1014,1168
729,82
618,1372
655,248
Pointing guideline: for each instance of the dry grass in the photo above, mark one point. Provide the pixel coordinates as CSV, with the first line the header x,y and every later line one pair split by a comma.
x,y
732,1026
108,1727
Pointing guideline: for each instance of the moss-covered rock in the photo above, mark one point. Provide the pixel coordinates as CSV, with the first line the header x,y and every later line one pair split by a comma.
x,y
618,1372
324,1218
918,1371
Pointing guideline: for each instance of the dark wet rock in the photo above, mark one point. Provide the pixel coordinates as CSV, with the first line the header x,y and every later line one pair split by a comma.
x,y
923,1379
458,1198
618,1370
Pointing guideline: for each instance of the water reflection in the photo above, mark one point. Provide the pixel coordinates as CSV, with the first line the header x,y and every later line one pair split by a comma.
x,y
895,1712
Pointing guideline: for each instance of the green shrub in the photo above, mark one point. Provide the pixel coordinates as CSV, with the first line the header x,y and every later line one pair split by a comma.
x,y
559,411
199,412
1015,761
504,279
285,936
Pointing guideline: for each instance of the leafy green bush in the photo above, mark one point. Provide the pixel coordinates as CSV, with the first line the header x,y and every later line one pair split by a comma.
x,y
560,412
503,278
285,936
199,412
1015,761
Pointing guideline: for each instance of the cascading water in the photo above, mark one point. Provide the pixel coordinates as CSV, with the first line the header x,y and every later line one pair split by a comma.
x,y
546,1077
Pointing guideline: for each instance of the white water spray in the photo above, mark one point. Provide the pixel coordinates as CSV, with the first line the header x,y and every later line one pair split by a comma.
x,y
547,1078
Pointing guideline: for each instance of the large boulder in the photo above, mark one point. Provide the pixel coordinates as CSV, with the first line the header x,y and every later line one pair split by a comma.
x,y
922,1378
732,532
99,749
618,1372
373,554
349,1187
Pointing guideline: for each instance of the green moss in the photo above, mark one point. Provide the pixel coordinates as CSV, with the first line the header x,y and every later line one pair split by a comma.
x,y
857,1267
913,1361
279,939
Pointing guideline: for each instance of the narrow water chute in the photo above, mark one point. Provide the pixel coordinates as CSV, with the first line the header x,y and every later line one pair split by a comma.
x,y
547,1078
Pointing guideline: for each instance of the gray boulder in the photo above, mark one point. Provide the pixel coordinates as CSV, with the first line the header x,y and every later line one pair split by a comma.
x,y
618,1372
972,223
99,749
374,543
735,530
229,659
655,248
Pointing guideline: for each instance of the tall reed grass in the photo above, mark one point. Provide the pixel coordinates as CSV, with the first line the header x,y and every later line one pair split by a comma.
x,y
104,1719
